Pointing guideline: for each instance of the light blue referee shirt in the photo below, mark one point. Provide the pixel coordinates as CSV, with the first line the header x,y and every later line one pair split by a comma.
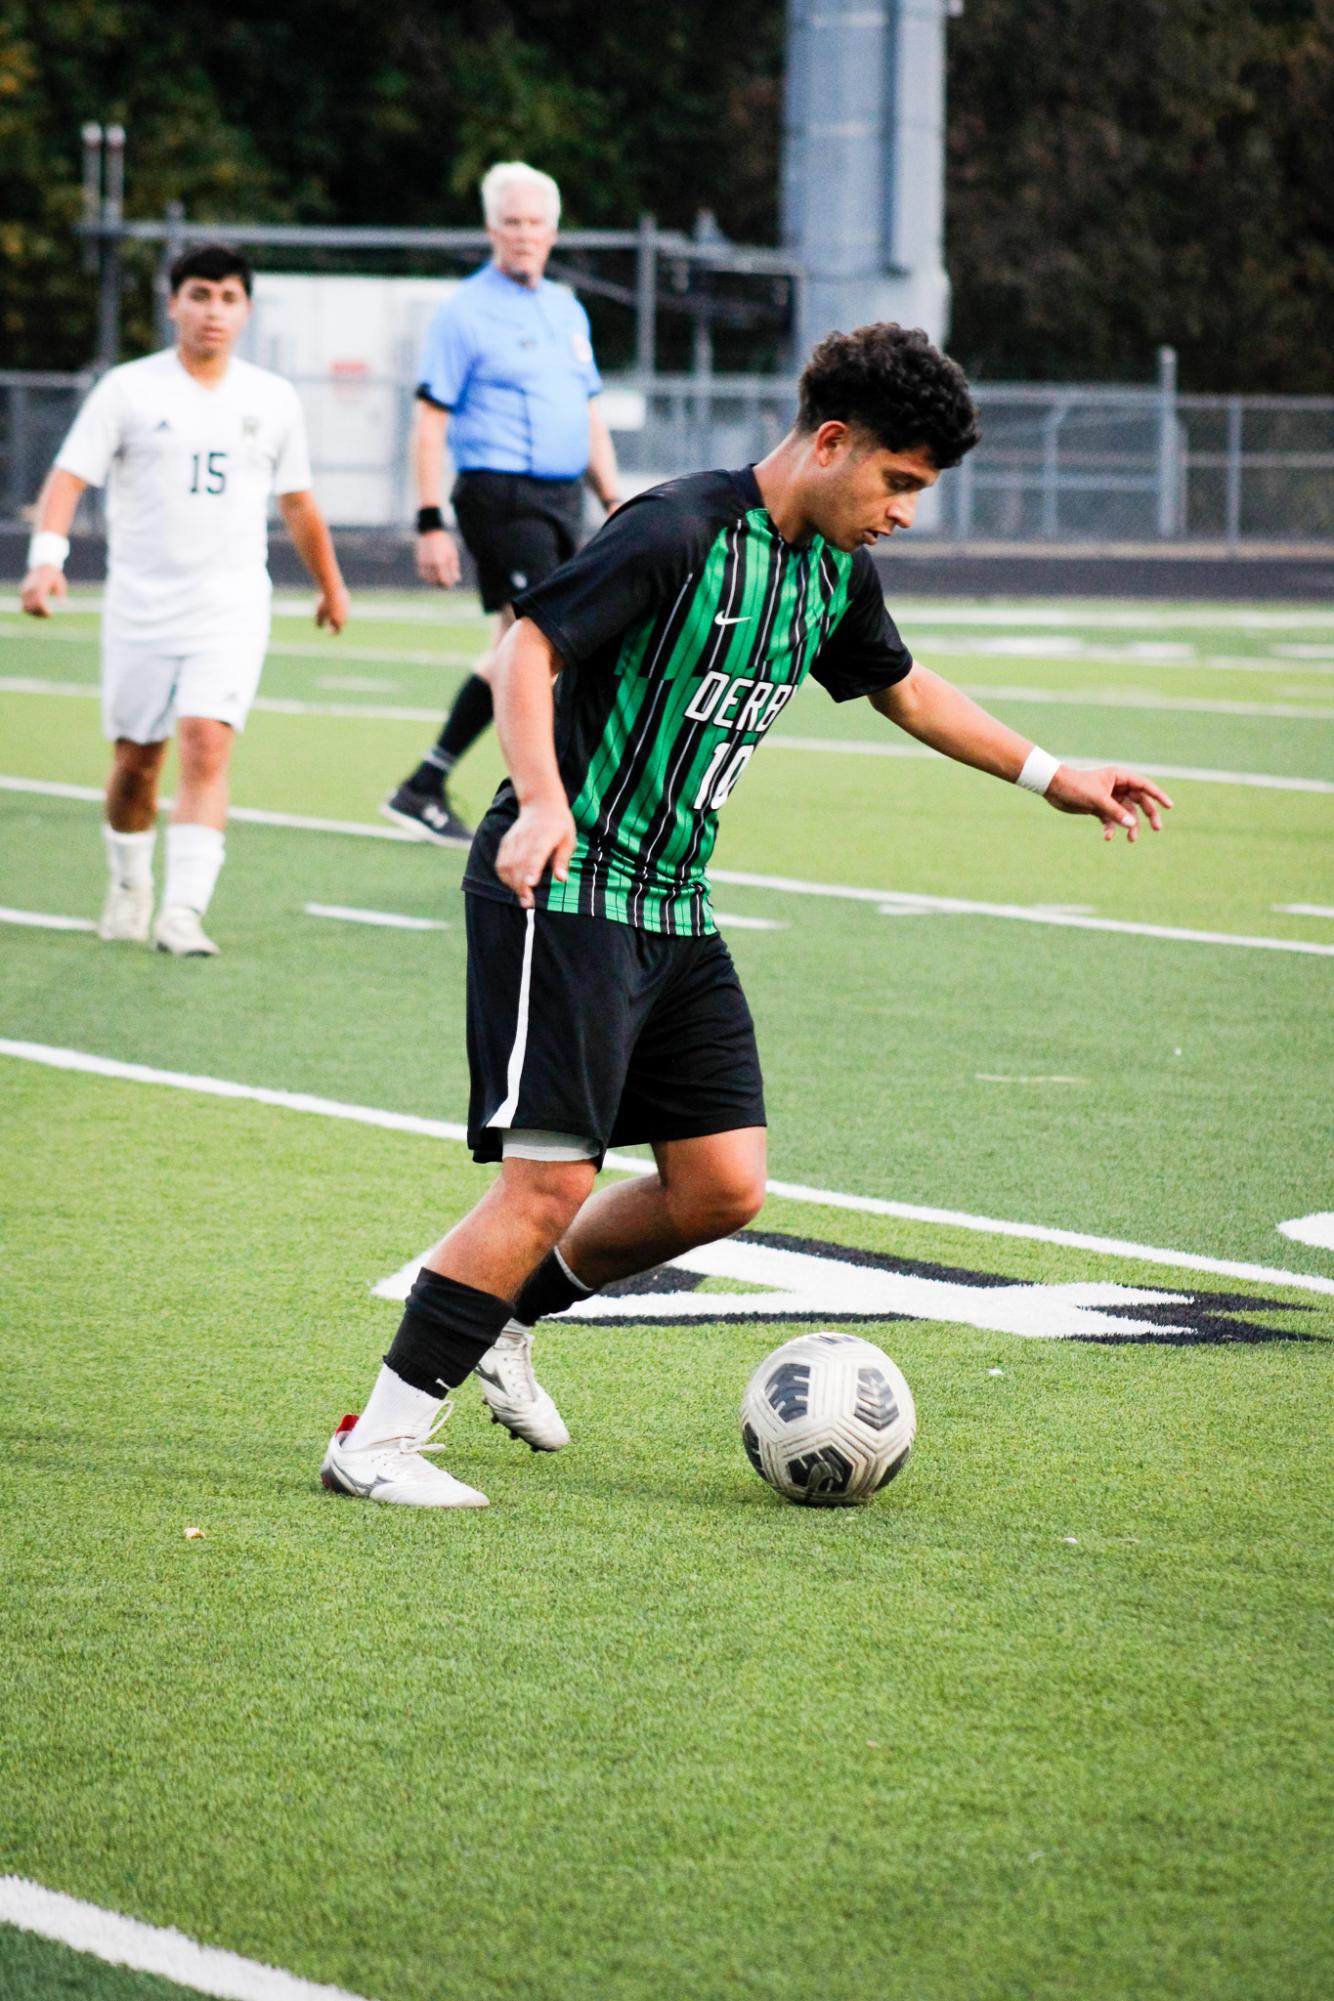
x,y
514,367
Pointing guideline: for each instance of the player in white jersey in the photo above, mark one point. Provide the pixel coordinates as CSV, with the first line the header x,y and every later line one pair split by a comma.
x,y
189,444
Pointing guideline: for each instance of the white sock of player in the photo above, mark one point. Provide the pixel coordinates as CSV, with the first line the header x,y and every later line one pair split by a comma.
x,y
194,857
129,856
394,1410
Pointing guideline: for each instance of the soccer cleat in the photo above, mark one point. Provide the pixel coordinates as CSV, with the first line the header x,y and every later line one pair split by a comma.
x,y
427,818
179,931
393,1469
514,1396
127,914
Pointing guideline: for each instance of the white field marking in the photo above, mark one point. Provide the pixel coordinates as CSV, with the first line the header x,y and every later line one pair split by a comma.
x,y
1092,612
272,705
388,918
356,684
1140,653
834,746
41,920
998,1077
786,1283
1144,698
88,1064
1305,909
284,705
894,902
749,923
298,649
891,902
1202,774
435,608
1317,1229
252,815
121,1941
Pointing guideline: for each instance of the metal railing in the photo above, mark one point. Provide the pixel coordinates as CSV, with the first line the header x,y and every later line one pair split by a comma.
x,y
1056,464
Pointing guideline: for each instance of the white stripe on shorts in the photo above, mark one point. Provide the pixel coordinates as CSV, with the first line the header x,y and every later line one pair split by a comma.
x,y
505,1115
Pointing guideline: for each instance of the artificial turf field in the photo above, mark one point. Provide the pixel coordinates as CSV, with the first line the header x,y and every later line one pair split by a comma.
x,y
1049,1720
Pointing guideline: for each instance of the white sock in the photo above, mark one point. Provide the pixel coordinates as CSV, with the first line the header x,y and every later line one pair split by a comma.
x,y
393,1410
129,856
194,857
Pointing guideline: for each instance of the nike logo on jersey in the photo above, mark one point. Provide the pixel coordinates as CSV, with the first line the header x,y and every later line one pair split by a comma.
x,y
720,620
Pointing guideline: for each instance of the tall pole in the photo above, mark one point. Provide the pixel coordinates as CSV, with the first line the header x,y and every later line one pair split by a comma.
x,y
113,214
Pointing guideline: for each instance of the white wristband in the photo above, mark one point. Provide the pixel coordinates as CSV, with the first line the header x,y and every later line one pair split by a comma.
x,y
1040,767
47,549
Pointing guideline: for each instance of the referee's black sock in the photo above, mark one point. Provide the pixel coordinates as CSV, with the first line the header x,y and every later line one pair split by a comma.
x,y
552,1288
445,1331
472,711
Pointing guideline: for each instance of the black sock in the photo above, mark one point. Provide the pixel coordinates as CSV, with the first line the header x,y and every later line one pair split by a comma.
x,y
472,711
549,1290
445,1330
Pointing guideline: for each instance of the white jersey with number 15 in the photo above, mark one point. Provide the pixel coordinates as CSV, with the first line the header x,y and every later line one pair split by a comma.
x,y
189,470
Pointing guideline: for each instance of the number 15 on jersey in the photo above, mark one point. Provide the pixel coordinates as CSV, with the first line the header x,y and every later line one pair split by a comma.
x,y
208,472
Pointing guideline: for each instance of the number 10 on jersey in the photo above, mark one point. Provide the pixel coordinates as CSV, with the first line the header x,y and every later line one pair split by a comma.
x,y
716,785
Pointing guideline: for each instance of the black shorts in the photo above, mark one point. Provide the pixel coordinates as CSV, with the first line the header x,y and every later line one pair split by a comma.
x,y
584,1026
518,530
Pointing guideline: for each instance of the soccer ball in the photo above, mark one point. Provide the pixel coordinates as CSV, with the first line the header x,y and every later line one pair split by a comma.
x,y
828,1420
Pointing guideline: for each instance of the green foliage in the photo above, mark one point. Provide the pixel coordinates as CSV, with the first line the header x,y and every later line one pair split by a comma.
x,y
1107,190
1113,189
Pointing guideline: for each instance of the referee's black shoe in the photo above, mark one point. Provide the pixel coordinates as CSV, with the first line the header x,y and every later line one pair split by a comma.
x,y
427,817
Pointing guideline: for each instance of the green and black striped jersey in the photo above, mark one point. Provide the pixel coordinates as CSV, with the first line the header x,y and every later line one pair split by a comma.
x,y
685,627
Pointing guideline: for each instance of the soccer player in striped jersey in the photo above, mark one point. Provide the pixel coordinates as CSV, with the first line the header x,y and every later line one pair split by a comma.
x,y
603,1007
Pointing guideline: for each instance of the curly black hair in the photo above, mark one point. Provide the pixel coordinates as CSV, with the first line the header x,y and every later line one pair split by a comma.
x,y
890,381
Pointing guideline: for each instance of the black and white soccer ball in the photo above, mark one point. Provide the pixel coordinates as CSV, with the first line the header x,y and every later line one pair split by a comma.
x,y
828,1420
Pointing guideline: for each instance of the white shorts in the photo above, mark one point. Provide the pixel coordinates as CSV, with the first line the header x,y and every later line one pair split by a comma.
x,y
144,690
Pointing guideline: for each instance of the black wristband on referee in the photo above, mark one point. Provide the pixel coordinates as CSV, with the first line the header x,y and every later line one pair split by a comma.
x,y
428,520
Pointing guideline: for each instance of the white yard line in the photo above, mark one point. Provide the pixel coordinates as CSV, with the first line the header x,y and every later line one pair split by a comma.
x,y
1202,774
1306,909
273,705
89,1064
1015,912
1143,698
157,1949
17,684
390,919
900,900
749,923
432,608
42,920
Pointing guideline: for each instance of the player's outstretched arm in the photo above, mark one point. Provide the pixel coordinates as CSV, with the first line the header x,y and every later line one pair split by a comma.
x,y
941,715
314,544
57,504
526,667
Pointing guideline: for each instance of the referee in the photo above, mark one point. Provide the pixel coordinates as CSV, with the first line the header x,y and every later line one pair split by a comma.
x,y
508,376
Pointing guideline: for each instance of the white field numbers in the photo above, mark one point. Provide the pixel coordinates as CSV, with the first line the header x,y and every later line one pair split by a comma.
x,y
721,774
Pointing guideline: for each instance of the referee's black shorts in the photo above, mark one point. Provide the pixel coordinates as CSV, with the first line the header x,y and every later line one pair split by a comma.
x,y
584,1026
518,530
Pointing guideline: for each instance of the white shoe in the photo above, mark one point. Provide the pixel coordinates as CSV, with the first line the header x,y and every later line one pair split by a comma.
x,y
513,1394
126,914
393,1469
179,931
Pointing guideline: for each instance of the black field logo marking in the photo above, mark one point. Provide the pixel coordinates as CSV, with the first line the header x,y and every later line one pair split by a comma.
x,y
805,1281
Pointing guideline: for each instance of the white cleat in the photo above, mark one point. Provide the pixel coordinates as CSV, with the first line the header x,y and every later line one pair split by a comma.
x,y
179,931
393,1469
126,914
513,1394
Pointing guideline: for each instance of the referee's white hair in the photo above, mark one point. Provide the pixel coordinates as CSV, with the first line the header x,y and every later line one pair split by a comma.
x,y
511,174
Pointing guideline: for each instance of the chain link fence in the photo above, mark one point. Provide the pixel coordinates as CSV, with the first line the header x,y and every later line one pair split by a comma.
x,y
1083,465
